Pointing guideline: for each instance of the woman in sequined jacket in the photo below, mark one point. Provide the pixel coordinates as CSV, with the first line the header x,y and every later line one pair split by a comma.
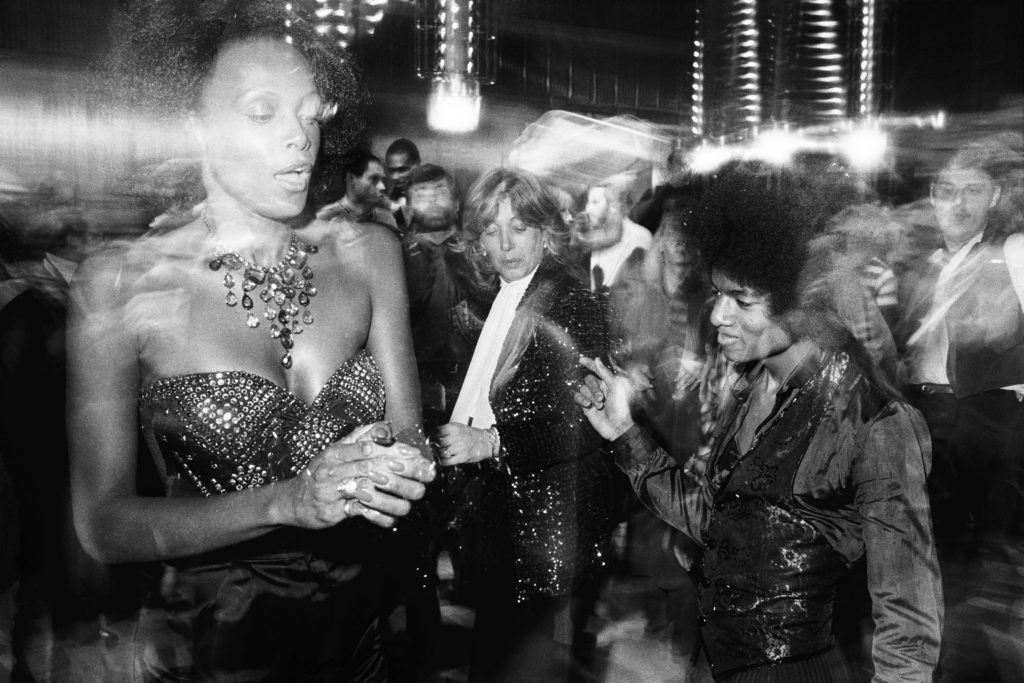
x,y
542,508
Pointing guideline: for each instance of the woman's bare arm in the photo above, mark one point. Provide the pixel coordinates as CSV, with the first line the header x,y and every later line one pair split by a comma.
x,y
114,523
390,340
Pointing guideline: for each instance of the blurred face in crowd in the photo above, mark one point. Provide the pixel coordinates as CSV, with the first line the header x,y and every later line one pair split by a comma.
x,y
597,206
433,205
259,128
678,253
604,221
367,190
742,318
399,167
513,248
962,199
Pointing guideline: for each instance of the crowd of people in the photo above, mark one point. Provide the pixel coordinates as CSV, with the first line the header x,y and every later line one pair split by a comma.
x,y
793,410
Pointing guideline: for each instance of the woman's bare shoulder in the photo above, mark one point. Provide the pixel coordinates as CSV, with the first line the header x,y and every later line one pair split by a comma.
x,y
363,245
124,265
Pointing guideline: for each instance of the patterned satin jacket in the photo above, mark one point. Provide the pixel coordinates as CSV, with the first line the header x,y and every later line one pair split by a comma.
x,y
835,472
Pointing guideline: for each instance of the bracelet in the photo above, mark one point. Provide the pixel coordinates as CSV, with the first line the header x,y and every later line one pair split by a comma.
x,y
495,441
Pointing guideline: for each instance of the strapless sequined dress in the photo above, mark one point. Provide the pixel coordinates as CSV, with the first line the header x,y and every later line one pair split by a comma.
x,y
295,604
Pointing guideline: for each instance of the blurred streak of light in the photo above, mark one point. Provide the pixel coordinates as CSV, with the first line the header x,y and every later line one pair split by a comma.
x,y
865,147
576,151
864,144
708,157
776,146
866,99
48,125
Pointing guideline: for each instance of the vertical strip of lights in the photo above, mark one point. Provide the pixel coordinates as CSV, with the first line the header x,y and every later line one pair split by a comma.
x,y
866,103
454,104
697,98
334,17
748,72
825,66
288,23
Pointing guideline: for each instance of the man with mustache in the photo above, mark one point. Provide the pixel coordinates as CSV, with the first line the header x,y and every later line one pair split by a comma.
x,y
815,463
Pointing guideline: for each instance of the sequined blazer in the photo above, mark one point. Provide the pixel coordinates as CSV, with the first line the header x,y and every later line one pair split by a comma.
x,y
543,507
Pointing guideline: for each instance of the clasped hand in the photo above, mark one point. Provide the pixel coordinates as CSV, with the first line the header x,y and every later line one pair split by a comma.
x,y
358,476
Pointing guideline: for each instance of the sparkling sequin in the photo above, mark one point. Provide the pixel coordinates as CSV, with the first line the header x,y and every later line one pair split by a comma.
x,y
544,494
227,431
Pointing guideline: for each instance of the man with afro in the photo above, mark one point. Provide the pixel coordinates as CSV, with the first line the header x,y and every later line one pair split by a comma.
x,y
815,464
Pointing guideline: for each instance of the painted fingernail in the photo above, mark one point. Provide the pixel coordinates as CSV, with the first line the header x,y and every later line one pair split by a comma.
x,y
379,478
396,466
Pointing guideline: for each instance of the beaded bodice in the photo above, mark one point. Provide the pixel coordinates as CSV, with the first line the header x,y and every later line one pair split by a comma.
x,y
226,431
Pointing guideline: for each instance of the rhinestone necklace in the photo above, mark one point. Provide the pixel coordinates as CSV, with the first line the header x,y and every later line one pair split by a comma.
x,y
282,285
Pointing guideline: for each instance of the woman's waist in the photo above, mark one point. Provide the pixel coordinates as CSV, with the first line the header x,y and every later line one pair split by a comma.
x,y
326,549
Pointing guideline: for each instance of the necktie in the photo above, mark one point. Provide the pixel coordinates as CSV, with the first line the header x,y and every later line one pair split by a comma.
x,y
597,273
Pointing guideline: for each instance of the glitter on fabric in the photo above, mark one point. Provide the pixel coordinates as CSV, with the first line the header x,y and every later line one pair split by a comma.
x,y
234,430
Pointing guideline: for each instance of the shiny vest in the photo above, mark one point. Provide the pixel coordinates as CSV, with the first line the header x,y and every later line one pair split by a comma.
x,y
768,577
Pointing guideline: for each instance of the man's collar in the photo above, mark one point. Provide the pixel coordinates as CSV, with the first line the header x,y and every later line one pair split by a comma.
x,y
436,237
805,368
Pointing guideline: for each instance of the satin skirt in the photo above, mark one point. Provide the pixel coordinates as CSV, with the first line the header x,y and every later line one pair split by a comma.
x,y
284,617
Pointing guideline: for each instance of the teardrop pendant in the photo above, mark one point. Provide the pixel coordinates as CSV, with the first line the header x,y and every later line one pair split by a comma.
x,y
284,288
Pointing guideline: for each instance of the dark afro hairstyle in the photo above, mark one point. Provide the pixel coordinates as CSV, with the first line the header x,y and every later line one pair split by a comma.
x,y
747,229
163,50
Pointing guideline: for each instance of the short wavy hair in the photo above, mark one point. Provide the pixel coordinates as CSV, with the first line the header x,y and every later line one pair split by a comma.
x,y
751,232
163,51
531,202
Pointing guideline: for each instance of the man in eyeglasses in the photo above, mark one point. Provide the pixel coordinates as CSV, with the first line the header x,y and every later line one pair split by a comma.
x,y
965,359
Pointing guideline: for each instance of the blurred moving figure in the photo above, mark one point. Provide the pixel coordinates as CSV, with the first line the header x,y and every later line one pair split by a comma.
x,y
650,208
965,365
660,319
615,243
273,491
965,357
815,463
58,583
541,529
659,316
